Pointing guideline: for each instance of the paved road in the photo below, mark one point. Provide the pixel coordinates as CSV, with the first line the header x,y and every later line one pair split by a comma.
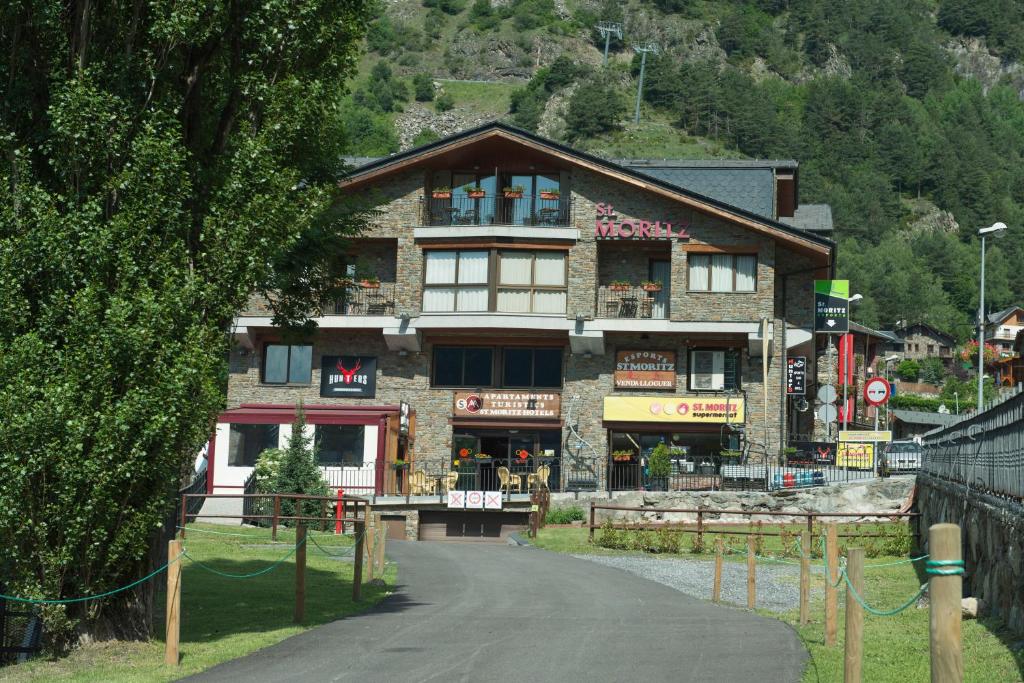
x,y
481,612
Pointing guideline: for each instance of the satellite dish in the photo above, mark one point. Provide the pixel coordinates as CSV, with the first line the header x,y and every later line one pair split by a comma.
x,y
827,413
827,394
802,405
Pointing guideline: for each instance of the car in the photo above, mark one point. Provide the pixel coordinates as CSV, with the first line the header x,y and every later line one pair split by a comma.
x,y
903,456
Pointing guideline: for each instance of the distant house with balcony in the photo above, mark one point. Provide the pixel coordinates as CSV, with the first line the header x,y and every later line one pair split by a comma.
x,y
1002,327
921,341
534,305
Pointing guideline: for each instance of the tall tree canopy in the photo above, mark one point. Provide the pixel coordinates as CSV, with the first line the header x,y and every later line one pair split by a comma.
x,y
161,161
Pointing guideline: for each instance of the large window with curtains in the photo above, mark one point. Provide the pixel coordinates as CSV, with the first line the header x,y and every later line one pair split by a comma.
x,y
502,280
722,272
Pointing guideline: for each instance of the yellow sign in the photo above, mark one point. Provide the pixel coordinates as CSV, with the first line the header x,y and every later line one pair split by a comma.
x,y
851,435
673,409
858,456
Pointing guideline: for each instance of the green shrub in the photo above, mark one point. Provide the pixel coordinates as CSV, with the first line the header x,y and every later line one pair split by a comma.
x,y
268,465
908,370
444,103
596,107
640,539
423,87
660,465
698,546
667,541
610,537
425,136
565,515
898,543
298,473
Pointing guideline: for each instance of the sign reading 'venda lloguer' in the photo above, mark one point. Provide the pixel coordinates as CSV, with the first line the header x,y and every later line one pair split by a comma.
x,y
645,370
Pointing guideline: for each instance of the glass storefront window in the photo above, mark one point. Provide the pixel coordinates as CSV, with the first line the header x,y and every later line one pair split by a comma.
x,y
247,441
339,444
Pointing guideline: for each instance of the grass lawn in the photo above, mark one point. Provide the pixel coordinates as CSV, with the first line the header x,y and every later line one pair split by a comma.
x,y
224,618
895,648
481,98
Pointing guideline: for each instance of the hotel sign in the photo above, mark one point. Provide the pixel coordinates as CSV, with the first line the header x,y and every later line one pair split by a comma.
x,y
607,228
503,404
692,409
645,370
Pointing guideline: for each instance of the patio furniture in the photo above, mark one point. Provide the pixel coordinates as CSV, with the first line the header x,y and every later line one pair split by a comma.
x,y
549,215
629,307
419,484
538,478
612,308
467,217
449,481
509,481
379,304
646,307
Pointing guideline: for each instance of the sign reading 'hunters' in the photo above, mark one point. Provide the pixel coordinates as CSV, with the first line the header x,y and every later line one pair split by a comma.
x,y
348,376
607,228
506,404
645,370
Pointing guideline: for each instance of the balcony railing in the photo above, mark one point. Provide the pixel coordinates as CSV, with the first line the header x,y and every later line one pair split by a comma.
x,y
630,302
527,210
358,300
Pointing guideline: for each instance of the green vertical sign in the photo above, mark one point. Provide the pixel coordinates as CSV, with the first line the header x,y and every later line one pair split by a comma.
x,y
832,306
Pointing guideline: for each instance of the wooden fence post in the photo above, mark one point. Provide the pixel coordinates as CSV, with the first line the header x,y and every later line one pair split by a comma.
x,y
173,626
590,536
300,572
853,640
751,569
382,530
831,604
357,558
184,514
371,542
805,577
700,529
944,592
276,515
716,588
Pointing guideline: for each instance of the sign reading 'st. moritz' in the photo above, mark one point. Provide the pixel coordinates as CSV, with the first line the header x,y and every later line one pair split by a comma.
x,y
606,227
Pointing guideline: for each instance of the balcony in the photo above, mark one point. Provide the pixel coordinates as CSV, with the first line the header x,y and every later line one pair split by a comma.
x,y
540,210
358,300
631,302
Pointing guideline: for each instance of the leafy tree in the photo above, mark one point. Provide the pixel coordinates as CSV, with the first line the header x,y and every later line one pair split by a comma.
x,y
367,132
423,87
594,108
445,102
162,162
932,370
298,472
483,16
908,370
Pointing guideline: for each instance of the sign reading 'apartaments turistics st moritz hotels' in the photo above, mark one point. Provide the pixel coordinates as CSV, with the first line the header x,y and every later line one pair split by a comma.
x,y
645,370
506,404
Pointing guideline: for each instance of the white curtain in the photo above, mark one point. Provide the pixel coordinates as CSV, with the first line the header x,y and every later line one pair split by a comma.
x,y
746,273
708,370
548,301
514,300
515,267
438,299
473,299
721,272
699,272
473,267
440,267
550,269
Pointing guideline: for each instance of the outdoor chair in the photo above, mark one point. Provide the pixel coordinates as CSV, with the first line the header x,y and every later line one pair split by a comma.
x,y
450,481
509,481
538,478
629,307
419,485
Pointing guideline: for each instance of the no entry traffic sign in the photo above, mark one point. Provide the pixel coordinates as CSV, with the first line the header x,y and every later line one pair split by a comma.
x,y
877,391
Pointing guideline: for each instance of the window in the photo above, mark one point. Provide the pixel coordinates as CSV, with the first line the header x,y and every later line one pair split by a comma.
x,y
247,441
339,444
931,349
723,272
525,367
531,282
527,281
455,281
283,364
712,370
520,367
470,366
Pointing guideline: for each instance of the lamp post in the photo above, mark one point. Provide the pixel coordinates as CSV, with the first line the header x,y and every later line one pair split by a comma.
x,y
996,230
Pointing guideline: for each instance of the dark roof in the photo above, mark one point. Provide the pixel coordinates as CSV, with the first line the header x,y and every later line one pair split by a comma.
x,y
597,161
996,318
813,217
920,417
750,188
904,331
881,334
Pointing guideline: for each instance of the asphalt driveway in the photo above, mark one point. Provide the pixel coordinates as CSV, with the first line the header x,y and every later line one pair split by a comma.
x,y
481,612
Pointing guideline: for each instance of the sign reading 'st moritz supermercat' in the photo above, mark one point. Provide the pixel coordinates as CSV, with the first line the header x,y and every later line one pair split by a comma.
x,y
606,227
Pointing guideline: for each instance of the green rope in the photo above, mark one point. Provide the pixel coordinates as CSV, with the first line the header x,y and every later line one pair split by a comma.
x,y
67,601
227,575
932,567
893,564
216,533
346,553
878,612
828,572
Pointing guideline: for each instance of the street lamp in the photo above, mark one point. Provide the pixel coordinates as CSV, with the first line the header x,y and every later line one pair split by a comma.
x,y
995,230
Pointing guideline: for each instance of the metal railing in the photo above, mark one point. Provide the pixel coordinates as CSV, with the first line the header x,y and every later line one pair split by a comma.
x,y
984,451
629,302
527,210
483,475
359,300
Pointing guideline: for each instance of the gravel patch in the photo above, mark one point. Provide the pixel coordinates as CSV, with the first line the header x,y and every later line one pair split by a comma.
x,y
778,585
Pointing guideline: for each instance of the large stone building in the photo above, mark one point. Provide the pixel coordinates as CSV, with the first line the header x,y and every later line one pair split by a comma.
x,y
535,305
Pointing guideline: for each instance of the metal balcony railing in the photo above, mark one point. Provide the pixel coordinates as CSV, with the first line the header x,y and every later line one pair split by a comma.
x,y
359,300
630,302
527,210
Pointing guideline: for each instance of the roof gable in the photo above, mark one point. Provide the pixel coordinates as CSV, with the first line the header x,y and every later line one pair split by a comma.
x,y
998,318
504,140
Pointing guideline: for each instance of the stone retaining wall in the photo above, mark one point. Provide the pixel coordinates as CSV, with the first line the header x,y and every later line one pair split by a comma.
x,y
992,530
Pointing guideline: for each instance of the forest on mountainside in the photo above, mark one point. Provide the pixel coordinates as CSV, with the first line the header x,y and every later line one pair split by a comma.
x,y
876,100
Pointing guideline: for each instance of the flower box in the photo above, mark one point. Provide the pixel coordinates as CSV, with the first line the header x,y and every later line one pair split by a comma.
x,y
620,286
651,286
369,284
438,194
476,194
550,195
513,195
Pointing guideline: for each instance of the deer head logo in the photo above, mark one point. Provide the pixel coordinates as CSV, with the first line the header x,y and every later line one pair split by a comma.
x,y
348,375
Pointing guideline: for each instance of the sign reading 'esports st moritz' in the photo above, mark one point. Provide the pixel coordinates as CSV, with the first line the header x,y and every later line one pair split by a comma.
x,y
348,376
645,370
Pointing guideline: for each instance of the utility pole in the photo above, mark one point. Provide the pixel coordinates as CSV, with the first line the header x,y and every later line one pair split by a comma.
x,y
608,29
642,50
